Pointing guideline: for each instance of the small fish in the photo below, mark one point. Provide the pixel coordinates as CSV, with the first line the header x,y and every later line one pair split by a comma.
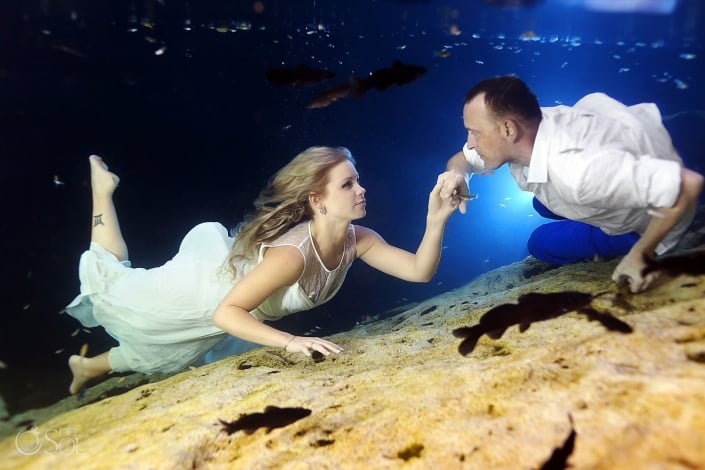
x,y
398,74
84,350
687,263
680,84
532,307
695,112
272,417
66,47
243,26
329,95
299,76
57,181
3,364
443,53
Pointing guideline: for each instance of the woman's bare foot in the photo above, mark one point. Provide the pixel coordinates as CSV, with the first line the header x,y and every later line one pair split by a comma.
x,y
79,376
85,369
103,182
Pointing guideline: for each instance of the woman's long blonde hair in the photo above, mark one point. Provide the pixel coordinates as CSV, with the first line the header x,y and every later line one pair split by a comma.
x,y
284,201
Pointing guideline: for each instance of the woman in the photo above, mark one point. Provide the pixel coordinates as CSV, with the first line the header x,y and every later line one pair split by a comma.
x,y
290,254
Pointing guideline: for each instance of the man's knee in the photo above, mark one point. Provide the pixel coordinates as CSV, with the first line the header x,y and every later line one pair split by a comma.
x,y
539,245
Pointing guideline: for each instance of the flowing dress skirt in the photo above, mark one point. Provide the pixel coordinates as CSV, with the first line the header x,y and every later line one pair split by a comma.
x,y
162,317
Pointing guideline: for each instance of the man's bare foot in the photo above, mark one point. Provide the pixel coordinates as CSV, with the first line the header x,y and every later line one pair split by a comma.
x,y
103,182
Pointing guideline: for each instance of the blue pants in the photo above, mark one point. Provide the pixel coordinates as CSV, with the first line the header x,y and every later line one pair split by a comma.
x,y
569,241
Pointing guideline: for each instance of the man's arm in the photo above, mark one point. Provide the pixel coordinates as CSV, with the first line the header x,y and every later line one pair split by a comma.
x,y
459,164
661,223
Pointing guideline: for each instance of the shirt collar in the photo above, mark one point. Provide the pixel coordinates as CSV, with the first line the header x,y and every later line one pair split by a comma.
x,y
538,165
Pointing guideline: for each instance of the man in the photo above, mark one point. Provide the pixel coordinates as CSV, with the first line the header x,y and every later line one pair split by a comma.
x,y
608,170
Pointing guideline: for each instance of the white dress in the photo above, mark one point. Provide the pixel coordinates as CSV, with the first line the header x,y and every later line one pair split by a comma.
x,y
162,317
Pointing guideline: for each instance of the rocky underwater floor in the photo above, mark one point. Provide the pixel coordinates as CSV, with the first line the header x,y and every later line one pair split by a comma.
x,y
566,391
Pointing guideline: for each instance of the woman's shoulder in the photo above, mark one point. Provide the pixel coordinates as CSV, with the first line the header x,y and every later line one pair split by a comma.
x,y
284,254
294,236
364,238
362,231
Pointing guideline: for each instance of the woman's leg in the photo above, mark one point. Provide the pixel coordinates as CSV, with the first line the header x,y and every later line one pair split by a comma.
x,y
87,368
105,231
105,228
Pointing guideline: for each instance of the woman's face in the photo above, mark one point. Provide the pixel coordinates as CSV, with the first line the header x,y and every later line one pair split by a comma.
x,y
344,197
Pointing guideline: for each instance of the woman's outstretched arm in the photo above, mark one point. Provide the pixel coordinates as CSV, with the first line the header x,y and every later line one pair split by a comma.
x,y
419,266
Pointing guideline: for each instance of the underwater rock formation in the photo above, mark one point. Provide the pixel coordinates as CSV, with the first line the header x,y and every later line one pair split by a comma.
x,y
566,390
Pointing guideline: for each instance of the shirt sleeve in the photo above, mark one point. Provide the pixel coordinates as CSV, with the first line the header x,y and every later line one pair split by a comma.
x,y
618,179
474,160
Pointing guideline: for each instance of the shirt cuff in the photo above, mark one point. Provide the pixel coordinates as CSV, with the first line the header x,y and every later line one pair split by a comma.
x,y
473,159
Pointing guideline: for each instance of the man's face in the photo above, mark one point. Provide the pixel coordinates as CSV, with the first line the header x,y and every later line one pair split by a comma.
x,y
484,133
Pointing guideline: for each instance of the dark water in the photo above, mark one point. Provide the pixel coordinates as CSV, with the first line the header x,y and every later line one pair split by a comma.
x,y
173,95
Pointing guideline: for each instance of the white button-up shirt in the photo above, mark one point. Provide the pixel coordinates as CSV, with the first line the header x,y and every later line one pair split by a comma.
x,y
602,163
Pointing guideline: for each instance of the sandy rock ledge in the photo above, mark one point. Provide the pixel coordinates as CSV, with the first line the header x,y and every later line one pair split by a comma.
x,y
401,396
